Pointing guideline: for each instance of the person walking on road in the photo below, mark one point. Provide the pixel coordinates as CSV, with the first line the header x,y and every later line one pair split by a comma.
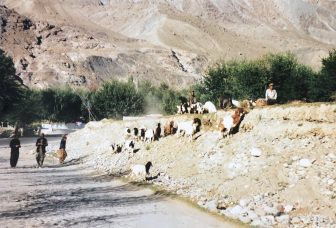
x,y
62,153
15,147
41,144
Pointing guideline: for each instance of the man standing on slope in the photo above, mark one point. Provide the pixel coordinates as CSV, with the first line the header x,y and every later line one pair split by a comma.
x,y
41,144
271,95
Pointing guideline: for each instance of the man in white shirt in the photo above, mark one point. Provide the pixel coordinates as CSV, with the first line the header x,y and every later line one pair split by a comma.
x,y
271,95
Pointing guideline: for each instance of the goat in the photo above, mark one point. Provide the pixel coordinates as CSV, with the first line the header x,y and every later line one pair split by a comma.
x,y
149,135
209,107
260,102
230,122
188,128
129,146
127,132
116,147
142,133
141,170
157,134
236,103
168,128
136,133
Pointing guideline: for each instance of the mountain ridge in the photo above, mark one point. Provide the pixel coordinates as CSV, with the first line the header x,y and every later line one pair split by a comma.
x,y
168,41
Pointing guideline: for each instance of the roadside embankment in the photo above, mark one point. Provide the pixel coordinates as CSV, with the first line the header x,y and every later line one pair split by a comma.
x,y
278,170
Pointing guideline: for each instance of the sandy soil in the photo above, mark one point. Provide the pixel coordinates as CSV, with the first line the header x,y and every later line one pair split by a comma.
x,y
75,195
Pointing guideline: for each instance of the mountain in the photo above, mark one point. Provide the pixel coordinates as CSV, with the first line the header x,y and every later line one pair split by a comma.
x,y
84,42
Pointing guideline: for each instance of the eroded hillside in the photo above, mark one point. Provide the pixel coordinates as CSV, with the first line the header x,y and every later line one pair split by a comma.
x,y
164,41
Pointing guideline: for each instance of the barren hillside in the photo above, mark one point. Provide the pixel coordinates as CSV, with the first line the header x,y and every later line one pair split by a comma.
x,y
166,40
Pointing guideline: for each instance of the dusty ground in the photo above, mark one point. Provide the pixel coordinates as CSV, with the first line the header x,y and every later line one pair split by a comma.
x,y
290,183
75,195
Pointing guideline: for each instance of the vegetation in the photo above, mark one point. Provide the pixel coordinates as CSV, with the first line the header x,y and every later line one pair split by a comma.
x,y
116,99
248,79
245,79
11,88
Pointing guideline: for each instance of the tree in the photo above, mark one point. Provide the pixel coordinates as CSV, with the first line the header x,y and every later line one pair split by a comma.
x,y
61,104
27,110
11,89
328,76
116,99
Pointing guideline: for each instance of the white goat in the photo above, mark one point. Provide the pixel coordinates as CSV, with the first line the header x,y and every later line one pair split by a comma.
x,y
129,146
187,128
149,135
209,107
141,171
236,103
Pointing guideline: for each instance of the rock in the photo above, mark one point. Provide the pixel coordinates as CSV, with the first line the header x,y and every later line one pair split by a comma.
x,y
270,210
330,182
252,215
268,220
244,202
211,205
305,162
236,211
260,211
295,220
288,208
256,223
283,219
244,219
256,152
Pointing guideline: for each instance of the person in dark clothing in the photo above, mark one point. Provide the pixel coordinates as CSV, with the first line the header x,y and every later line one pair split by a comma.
x,y
41,144
15,146
192,98
62,154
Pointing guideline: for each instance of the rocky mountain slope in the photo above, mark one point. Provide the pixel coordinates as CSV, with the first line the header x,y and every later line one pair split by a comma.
x,y
278,170
173,41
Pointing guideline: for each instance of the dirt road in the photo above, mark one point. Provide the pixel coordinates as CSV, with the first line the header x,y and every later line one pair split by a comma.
x,y
76,196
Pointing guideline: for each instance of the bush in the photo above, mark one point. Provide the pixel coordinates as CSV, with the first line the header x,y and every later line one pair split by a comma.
x,y
116,99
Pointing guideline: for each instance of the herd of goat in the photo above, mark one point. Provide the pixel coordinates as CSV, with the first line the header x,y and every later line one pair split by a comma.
x,y
188,128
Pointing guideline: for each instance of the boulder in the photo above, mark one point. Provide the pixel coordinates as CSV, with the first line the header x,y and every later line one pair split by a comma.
x,y
283,219
211,205
256,152
268,220
305,162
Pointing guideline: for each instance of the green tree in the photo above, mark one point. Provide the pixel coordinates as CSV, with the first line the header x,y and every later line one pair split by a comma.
x,y
27,110
11,88
116,99
328,76
61,104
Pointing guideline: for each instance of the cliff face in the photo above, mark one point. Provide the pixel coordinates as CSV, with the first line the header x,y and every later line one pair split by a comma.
x,y
86,42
